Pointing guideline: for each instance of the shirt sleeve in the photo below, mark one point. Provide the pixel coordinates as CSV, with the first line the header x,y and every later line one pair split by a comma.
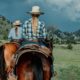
x,y
10,35
24,29
44,30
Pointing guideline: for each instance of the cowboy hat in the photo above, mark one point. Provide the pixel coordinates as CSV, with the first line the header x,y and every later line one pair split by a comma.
x,y
35,10
17,22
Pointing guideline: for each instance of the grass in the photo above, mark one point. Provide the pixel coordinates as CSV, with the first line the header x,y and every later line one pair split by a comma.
x,y
3,41
64,57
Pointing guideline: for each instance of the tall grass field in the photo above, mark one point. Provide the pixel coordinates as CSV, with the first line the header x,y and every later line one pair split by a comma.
x,y
67,62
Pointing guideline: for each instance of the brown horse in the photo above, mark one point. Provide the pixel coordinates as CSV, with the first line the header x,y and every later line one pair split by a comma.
x,y
31,65
7,52
24,69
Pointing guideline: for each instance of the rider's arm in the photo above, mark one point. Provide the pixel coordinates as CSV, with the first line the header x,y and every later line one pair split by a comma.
x,y
44,32
10,35
24,31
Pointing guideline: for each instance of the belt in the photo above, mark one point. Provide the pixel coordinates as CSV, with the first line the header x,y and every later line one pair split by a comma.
x,y
34,40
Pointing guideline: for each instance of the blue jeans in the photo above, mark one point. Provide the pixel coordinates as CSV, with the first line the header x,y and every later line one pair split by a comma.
x,y
31,42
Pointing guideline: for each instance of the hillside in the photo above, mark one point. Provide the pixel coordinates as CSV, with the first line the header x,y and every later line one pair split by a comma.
x,y
63,37
57,34
77,33
5,25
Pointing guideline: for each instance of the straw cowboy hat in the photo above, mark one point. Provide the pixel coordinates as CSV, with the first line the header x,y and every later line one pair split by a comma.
x,y
36,10
17,22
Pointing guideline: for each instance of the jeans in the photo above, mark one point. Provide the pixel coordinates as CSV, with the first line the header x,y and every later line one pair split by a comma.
x,y
31,42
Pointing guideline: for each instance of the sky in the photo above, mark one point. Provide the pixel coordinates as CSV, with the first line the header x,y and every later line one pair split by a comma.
x,y
63,14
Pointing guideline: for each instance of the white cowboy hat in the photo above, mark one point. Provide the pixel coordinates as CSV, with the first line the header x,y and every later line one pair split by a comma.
x,y
17,22
35,10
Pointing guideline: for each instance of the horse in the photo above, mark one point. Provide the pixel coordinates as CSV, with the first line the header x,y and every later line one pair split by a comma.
x,y
7,52
33,64
32,61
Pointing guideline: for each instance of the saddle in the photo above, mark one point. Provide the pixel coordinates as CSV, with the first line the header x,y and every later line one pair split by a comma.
x,y
15,49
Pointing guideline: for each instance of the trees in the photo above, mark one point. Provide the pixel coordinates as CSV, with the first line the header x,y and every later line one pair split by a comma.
x,y
5,25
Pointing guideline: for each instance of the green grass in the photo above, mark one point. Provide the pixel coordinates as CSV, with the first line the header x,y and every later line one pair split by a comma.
x,y
64,57
3,41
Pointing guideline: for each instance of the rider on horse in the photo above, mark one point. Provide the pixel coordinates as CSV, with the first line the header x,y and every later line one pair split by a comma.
x,y
34,30
15,33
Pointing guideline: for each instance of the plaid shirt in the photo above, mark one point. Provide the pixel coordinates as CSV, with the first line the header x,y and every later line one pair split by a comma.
x,y
28,33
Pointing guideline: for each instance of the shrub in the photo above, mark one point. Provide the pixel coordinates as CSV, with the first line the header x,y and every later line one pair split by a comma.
x,y
69,46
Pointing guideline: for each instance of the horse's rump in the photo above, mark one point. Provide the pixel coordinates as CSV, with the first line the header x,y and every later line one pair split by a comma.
x,y
36,57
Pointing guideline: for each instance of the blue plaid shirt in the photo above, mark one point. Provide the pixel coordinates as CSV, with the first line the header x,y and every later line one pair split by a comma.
x,y
28,33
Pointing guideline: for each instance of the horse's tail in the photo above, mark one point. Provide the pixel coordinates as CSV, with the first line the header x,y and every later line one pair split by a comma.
x,y
37,68
2,64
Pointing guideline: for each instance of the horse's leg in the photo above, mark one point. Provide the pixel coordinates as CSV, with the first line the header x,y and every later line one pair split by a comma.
x,y
46,69
24,72
28,74
47,73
